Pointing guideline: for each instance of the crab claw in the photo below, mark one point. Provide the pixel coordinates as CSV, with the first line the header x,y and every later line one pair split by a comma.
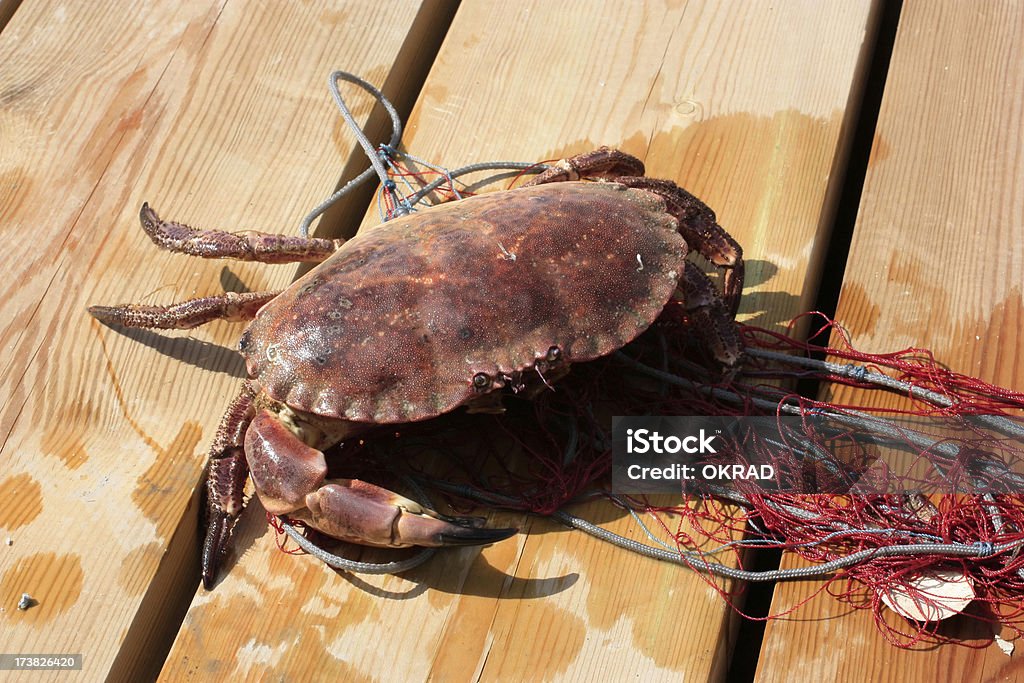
x,y
283,468
289,478
360,512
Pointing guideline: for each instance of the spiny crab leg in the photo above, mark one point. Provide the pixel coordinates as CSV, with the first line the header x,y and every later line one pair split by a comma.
x,y
290,479
699,227
709,320
604,163
230,306
225,482
248,245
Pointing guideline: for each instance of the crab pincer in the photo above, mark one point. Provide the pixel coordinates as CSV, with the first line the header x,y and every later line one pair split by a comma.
x,y
290,479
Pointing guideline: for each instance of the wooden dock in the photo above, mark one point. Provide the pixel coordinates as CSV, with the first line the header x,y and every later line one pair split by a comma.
x,y
217,112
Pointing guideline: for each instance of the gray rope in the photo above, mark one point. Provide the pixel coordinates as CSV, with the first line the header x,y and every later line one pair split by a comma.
x,y
862,373
378,157
698,561
356,567
376,165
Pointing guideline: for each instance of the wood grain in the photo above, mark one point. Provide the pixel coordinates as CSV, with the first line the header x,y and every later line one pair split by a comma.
x,y
218,114
745,104
937,261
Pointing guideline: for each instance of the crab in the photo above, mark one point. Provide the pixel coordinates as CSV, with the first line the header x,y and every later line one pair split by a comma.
x,y
451,306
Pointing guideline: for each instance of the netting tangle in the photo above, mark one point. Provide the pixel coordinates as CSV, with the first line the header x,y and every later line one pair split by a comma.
x,y
903,485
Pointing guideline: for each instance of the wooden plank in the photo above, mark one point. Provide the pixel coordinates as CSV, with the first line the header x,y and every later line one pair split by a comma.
x,y
937,261
744,103
218,114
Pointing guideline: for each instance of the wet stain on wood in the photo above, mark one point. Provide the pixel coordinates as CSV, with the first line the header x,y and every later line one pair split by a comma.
x,y
22,501
237,626
880,150
334,17
562,633
988,344
172,470
54,581
137,567
861,312
64,440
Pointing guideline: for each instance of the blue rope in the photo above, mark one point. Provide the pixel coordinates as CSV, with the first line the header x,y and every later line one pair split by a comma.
x,y
857,372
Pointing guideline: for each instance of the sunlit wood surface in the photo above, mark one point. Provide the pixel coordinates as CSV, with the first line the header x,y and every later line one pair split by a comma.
x,y
218,115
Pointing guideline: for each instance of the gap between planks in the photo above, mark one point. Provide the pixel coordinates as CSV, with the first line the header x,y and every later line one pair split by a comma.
x,y
901,289
861,119
7,10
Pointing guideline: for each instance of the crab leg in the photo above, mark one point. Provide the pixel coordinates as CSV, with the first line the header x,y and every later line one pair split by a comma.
x,y
185,315
225,481
709,318
243,246
699,227
290,479
603,162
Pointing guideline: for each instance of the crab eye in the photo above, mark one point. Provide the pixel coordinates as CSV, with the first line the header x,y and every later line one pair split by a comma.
x,y
481,380
554,353
243,341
